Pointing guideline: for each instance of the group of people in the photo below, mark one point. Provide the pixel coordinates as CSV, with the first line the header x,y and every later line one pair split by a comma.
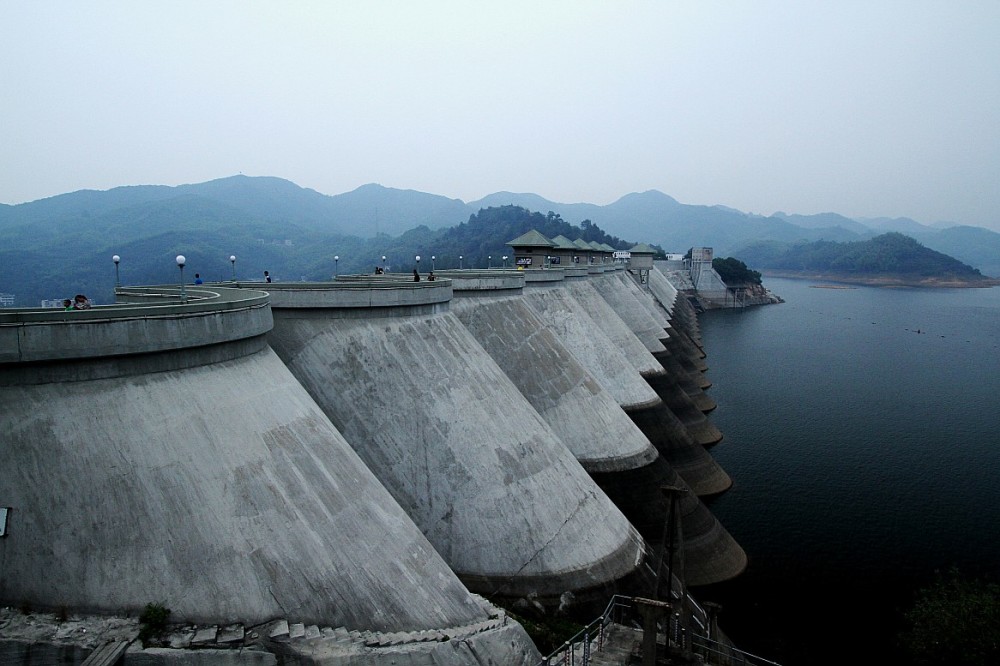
x,y
416,276
79,302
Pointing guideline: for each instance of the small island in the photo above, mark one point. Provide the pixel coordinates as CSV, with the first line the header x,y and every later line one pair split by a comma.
x,y
889,260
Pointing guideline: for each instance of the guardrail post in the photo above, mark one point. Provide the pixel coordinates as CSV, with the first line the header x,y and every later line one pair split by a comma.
x,y
586,648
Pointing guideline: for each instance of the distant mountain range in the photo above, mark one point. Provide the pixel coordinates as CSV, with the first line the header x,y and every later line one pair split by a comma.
x,y
52,246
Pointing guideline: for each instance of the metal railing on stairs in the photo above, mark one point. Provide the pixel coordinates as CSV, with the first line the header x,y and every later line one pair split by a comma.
x,y
580,650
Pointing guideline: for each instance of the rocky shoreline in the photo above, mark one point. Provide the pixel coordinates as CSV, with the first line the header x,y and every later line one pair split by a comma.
x,y
932,282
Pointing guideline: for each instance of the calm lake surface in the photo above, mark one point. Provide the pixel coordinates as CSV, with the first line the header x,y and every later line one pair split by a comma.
x,y
865,455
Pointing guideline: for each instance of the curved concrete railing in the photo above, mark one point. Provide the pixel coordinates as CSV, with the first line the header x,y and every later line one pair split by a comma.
x,y
361,291
156,321
510,281
540,276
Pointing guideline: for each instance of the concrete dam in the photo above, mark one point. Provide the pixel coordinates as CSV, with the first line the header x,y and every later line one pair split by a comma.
x,y
368,460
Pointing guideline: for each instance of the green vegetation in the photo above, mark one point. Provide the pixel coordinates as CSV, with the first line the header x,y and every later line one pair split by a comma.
x,y
547,633
63,246
735,272
891,254
153,623
954,621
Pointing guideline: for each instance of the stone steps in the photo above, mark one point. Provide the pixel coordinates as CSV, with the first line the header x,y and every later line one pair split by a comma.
x,y
291,633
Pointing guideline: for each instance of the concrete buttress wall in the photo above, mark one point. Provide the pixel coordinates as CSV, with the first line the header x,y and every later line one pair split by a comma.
x,y
493,488
673,384
607,443
220,490
569,319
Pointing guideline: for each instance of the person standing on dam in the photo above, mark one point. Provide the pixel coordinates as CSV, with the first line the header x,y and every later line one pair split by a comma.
x,y
416,275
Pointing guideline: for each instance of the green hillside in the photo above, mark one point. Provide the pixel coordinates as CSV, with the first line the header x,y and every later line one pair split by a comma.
x,y
888,257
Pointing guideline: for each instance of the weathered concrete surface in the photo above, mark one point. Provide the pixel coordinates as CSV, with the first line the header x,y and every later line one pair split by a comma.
x,y
630,310
603,358
662,299
691,355
585,416
682,315
218,316
585,339
614,327
669,385
497,640
42,639
220,490
493,488
638,310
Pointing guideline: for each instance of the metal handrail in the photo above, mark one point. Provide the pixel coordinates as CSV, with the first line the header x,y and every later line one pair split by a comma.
x,y
712,652
587,634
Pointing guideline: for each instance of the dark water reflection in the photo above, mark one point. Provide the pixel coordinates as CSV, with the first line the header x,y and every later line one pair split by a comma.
x,y
865,456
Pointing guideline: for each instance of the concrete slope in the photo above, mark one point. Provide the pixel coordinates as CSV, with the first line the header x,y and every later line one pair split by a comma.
x,y
586,340
679,344
682,315
672,383
585,416
467,457
681,359
667,380
196,472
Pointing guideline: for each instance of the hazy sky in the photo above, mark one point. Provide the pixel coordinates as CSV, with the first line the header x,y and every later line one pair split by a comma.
x,y
866,108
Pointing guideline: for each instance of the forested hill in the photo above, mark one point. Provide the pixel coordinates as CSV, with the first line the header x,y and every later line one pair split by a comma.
x,y
54,258
889,258
483,236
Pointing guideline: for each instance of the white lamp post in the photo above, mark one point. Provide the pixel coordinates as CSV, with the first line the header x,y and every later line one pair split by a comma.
x,y
232,260
418,263
489,261
383,264
505,261
459,262
116,259
432,262
180,264
336,265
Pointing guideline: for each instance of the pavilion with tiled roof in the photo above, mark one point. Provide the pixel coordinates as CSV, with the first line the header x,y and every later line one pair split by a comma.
x,y
531,249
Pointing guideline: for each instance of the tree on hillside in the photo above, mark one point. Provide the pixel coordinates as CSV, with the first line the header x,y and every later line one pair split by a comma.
x,y
735,272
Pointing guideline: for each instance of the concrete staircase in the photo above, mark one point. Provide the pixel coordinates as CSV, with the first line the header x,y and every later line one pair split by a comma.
x,y
294,636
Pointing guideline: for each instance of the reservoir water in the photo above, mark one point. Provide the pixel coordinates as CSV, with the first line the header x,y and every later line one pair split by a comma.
x,y
861,432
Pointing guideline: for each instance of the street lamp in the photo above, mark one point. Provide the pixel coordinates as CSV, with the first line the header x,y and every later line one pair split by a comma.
x,y
489,261
432,262
336,266
180,264
505,261
670,530
460,262
232,260
116,259
418,263
383,264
